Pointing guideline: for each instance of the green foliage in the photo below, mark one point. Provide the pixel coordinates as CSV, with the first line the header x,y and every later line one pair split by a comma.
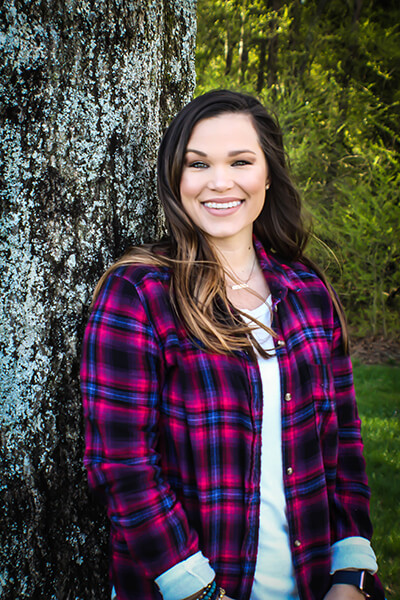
x,y
331,73
379,406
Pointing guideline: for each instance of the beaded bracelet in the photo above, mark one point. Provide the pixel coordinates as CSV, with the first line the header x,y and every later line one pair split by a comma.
x,y
208,591
211,591
219,594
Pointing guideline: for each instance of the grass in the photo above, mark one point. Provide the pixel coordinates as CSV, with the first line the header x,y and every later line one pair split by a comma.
x,y
378,395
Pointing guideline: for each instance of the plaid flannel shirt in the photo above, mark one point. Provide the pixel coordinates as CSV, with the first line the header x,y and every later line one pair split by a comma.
x,y
173,434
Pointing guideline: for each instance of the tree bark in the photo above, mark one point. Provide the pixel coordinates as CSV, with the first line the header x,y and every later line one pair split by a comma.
x,y
87,89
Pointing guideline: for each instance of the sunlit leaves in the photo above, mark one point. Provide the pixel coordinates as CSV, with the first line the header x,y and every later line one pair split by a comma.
x,y
332,75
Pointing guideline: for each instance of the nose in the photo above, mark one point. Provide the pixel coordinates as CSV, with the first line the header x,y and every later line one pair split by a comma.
x,y
220,180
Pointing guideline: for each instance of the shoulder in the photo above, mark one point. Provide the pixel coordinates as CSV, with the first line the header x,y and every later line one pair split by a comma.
x,y
311,285
305,290
140,264
297,275
140,275
294,275
306,276
130,283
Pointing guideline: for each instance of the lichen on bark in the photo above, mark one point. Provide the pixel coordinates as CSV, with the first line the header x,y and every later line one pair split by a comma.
x,y
87,89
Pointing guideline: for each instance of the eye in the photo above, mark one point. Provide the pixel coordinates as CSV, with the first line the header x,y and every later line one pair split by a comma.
x,y
197,164
241,163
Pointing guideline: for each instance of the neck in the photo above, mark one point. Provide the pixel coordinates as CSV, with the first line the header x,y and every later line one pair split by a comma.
x,y
237,259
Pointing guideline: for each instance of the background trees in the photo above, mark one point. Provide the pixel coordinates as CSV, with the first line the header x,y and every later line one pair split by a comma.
x,y
331,71
86,90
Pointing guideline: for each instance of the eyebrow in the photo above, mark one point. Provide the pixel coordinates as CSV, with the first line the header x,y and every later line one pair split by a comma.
x,y
232,153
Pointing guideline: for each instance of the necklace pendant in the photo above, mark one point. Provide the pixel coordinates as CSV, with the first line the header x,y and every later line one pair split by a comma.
x,y
239,286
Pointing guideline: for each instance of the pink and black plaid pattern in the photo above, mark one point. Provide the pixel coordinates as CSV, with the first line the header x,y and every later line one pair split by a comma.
x,y
173,434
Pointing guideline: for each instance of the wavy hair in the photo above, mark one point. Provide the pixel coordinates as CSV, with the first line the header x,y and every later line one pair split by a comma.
x,y
197,288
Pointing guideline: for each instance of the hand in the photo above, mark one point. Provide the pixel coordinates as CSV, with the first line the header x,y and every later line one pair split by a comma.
x,y
343,591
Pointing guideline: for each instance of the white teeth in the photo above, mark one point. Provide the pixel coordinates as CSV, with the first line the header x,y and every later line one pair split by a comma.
x,y
222,205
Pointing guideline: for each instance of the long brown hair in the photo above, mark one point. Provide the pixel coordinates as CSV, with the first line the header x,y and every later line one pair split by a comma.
x,y
197,289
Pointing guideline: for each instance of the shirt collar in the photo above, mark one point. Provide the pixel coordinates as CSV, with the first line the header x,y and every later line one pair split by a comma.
x,y
279,275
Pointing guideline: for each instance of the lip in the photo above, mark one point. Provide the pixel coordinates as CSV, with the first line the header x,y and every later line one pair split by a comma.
x,y
223,200
222,212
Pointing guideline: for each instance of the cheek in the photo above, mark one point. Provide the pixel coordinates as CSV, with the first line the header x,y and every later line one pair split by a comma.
x,y
189,186
255,184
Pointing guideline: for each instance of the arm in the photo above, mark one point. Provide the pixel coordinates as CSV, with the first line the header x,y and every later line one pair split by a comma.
x,y
350,510
351,525
344,592
121,376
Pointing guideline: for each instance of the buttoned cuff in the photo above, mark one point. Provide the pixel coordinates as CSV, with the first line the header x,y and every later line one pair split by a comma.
x,y
185,578
353,553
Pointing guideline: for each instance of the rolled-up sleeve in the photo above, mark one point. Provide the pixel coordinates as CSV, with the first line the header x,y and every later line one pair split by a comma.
x,y
353,553
121,379
185,578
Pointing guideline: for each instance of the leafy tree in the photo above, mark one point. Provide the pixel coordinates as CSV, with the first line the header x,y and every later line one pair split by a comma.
x,y
330,70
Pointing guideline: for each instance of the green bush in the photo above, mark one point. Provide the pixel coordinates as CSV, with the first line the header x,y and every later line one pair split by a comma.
x,y
331,73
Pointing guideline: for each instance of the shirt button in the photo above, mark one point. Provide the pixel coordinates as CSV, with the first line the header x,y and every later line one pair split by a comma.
x,y
297,543
288,397
289,471
280,343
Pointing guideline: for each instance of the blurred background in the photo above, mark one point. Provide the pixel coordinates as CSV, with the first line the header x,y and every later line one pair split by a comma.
x,y
330,69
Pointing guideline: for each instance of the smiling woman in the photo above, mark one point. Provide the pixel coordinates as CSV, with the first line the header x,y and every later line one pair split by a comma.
x,y
224,179
221,425
223,185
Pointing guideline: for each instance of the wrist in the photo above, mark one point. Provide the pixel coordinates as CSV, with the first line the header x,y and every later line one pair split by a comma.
x,y
345,591
362,581
210,592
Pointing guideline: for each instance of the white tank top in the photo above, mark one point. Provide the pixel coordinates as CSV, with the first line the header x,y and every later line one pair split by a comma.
x,y
274,575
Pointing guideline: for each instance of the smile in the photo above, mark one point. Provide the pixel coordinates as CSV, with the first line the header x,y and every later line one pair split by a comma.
x,y
222,205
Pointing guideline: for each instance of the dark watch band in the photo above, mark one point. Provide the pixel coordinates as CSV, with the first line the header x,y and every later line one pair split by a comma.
x,y
363,580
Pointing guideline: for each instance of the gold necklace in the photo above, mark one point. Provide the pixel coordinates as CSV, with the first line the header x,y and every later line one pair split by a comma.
x,y
244,284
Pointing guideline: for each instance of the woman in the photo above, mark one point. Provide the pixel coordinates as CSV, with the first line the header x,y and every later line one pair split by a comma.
x,y
221,425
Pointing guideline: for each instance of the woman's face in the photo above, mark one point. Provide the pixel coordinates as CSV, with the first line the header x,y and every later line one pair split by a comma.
x,y
224,177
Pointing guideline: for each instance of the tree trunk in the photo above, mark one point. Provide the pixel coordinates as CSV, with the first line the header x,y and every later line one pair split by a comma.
x,y
273,46
272,64
243,49
87,88
228,49
358,4
261,64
